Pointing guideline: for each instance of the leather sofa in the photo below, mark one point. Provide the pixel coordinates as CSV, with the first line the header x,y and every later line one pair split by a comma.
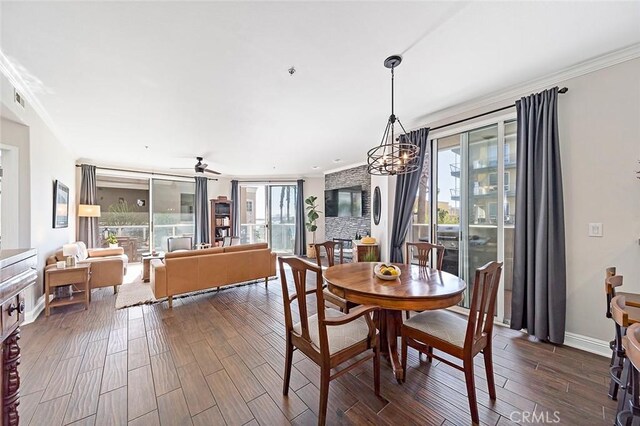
x,y
108,265
193,270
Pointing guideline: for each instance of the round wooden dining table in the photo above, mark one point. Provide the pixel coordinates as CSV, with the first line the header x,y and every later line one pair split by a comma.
x,y
417,288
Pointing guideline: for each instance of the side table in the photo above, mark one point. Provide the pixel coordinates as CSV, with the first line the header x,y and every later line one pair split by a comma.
x,y
77,276
146,264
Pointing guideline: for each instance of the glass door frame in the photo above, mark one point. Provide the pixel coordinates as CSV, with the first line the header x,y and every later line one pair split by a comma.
x,y
500,121
268,207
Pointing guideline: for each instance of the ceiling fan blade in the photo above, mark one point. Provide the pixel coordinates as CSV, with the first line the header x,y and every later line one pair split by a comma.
x,y
203,165
181,168
212,171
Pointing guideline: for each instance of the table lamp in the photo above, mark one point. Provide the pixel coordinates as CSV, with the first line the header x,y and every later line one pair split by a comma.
x,y
88,210
70,251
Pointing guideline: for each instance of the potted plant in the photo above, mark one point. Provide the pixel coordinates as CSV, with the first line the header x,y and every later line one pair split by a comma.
x,y
312,216
112,240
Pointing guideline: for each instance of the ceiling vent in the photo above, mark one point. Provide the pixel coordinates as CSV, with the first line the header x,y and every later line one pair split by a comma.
x,y
18,98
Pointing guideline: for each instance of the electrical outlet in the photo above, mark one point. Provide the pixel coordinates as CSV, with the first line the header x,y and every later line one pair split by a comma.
x,y
595,229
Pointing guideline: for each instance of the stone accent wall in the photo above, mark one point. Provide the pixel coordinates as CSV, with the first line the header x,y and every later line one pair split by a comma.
x,y
346,227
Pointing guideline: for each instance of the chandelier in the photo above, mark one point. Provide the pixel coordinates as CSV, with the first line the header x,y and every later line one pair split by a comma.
x,y
394,156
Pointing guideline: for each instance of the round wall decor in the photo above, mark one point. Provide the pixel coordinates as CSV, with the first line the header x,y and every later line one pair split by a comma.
x,y
377,205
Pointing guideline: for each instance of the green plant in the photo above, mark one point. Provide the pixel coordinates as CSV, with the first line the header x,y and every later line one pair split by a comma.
x,y
370,255
111,239
312,215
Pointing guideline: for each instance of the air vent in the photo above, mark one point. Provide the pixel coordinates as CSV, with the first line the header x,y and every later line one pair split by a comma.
x,y
18,98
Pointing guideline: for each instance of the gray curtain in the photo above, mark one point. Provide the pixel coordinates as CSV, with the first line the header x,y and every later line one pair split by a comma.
x,y
235,197
202,210
301,239
539,267
88,226
406,190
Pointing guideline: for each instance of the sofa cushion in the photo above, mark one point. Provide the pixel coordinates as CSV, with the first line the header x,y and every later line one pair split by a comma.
x,y
187,253
102,252
244,247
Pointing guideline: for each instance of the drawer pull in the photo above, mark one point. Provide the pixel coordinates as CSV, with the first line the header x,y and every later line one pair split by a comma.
x,y
13,308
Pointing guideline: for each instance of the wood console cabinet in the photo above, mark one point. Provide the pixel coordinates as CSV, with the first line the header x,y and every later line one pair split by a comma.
x,y
365,252
17,272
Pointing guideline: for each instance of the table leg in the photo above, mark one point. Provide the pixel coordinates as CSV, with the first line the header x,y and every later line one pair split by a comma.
x,y
389,322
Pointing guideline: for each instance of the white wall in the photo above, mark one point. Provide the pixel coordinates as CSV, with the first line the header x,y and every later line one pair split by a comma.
x,y
599,123
315,186
48,160
382,231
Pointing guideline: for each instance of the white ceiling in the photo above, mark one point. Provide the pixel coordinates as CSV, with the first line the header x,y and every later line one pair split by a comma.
x,y
211,78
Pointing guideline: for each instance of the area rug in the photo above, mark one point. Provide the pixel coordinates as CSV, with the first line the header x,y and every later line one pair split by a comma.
x,y
133,291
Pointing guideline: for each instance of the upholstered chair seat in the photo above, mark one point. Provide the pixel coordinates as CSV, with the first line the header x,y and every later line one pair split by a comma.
x,y
341,336
441,324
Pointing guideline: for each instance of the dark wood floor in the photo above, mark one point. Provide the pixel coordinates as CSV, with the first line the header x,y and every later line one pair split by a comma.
x,y
217,358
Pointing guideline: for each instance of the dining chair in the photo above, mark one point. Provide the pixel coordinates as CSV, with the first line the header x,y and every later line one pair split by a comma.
x,y
459,337
179,243
623,316
631,415
631,299
330,248
423,251
329,338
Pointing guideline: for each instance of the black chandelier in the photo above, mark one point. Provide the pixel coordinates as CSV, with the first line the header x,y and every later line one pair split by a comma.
x,y
394,156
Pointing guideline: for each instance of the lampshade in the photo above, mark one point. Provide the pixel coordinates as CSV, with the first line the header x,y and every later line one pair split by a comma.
x,y
70,249
88,210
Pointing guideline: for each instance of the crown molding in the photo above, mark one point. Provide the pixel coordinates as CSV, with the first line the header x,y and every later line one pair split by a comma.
x,y
510,94
20,85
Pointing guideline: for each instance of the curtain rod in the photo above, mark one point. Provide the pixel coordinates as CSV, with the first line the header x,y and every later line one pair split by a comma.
x,y
143,172
258,181
561,91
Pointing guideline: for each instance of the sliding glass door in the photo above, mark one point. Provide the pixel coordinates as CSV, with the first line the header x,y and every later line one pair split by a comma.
x,y
172,210
473,206
268,215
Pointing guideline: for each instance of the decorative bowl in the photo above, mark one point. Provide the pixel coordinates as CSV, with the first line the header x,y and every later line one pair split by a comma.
x,y
377,271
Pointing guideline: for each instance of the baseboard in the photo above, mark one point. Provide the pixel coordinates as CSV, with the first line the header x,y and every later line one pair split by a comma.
x,y
32,315
587,344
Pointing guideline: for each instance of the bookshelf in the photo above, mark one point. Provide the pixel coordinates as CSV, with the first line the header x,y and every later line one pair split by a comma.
x,y
221,219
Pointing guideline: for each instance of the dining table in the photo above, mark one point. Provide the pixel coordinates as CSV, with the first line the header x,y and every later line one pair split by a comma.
x,y
415,289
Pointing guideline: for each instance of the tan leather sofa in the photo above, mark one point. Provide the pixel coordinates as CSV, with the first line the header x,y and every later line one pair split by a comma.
x,y
193,270
108,266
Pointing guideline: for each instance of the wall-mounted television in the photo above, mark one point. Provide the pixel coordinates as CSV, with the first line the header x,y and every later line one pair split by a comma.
x,y
343,202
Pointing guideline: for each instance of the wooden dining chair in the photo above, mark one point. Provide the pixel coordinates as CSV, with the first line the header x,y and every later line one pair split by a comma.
x,y
329,338
459,337
330,248
423,251
630,415
631,299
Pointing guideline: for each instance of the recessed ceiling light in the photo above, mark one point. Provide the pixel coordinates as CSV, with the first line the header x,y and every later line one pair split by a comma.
x,y
315,167
337,160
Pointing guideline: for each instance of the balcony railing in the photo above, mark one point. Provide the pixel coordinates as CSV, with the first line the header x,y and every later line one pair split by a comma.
x,y
137,236
282,235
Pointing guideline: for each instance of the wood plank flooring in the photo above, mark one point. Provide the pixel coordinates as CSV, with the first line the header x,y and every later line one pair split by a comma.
x,y
218,358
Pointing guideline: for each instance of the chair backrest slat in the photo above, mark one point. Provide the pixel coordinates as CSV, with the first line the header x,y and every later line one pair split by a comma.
x,y
483,302
330,248
609,291
423,251
299,271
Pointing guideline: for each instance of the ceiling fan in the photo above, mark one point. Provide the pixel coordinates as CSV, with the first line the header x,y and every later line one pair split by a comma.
x,y
200,167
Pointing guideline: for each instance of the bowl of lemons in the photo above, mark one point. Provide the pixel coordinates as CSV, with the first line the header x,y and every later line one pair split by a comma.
x,y
386,272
